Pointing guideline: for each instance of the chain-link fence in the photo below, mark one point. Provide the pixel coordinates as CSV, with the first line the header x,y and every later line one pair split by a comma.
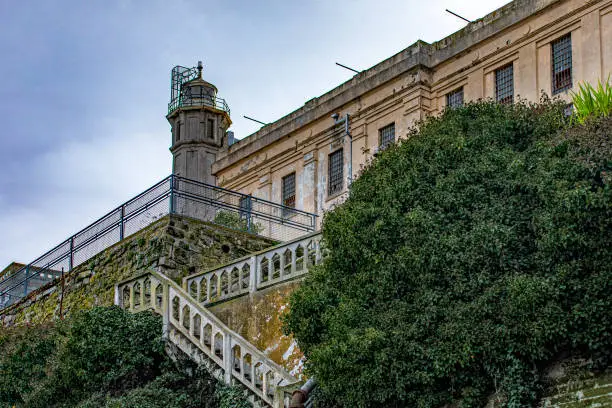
x,y
172,195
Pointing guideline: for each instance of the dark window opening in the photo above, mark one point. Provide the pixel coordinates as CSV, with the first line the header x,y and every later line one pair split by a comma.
x,y
504,84
335,172
386,136
454,99
211,129
178,131
561,64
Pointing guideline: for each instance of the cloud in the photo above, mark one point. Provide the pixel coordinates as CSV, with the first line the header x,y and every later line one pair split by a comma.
x,y
83,180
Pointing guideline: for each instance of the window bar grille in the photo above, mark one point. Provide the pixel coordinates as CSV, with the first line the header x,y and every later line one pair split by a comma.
x,y
387,135
454,99
561,64
504,84
336,176
289,190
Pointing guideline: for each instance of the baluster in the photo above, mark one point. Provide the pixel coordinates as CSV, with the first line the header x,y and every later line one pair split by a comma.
x,y
192,313
264,383
202,324
253,380
198,289
208,288
165,310
142,294
270,268
293,259
228,356
118,301
253,274
132,296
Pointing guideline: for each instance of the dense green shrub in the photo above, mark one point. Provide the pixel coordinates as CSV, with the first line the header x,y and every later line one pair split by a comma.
x,y
103,357
24,352
463,261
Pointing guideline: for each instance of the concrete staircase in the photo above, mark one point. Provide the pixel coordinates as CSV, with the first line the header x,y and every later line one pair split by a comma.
x,y
195,330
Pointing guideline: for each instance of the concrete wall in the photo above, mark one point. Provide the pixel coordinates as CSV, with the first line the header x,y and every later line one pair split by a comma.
x,y
413,84
177,245
257,318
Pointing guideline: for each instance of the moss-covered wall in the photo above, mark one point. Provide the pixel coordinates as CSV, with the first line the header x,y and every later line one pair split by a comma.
x,y
257,318
177,245
572,385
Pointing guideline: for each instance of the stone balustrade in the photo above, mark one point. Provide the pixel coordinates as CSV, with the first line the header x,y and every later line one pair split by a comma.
x,y
191,326
257,271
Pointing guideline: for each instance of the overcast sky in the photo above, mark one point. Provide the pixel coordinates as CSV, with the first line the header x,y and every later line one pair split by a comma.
x,y
85,87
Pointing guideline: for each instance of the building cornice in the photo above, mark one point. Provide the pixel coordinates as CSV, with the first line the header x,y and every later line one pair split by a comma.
x,y
418,56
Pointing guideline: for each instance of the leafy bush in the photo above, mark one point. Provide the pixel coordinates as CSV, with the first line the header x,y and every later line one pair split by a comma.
x,y
463,261
103,357
592,102
23,357
105,349
234,221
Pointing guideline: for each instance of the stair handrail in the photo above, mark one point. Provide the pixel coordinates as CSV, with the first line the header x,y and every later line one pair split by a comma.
x,y
253,261
168,285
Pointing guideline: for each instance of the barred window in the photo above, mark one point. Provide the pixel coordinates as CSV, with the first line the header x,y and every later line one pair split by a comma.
x,y
454,99
561,64
335,173
289,190
386,135
504,84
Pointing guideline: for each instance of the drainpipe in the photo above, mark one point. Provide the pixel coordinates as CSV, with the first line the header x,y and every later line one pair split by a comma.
x,y
299,399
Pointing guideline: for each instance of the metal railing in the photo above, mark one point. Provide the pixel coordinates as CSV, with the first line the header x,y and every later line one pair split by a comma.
x,y
199,100
172,195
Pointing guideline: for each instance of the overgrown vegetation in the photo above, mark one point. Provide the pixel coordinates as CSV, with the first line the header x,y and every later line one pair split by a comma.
x,y
235,221
103,357
464,261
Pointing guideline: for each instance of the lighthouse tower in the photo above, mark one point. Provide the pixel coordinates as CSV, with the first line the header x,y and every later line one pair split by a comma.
x,y
199,121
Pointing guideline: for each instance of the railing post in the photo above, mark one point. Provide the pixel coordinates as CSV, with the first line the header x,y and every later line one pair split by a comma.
x,y
25,282
253,275
122,224
71,258
248,213
171,209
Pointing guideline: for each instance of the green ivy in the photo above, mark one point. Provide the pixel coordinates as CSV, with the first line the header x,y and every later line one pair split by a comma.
x,y
464,260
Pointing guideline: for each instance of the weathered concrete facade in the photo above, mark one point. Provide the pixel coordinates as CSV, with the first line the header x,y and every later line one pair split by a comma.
x,y
413,84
